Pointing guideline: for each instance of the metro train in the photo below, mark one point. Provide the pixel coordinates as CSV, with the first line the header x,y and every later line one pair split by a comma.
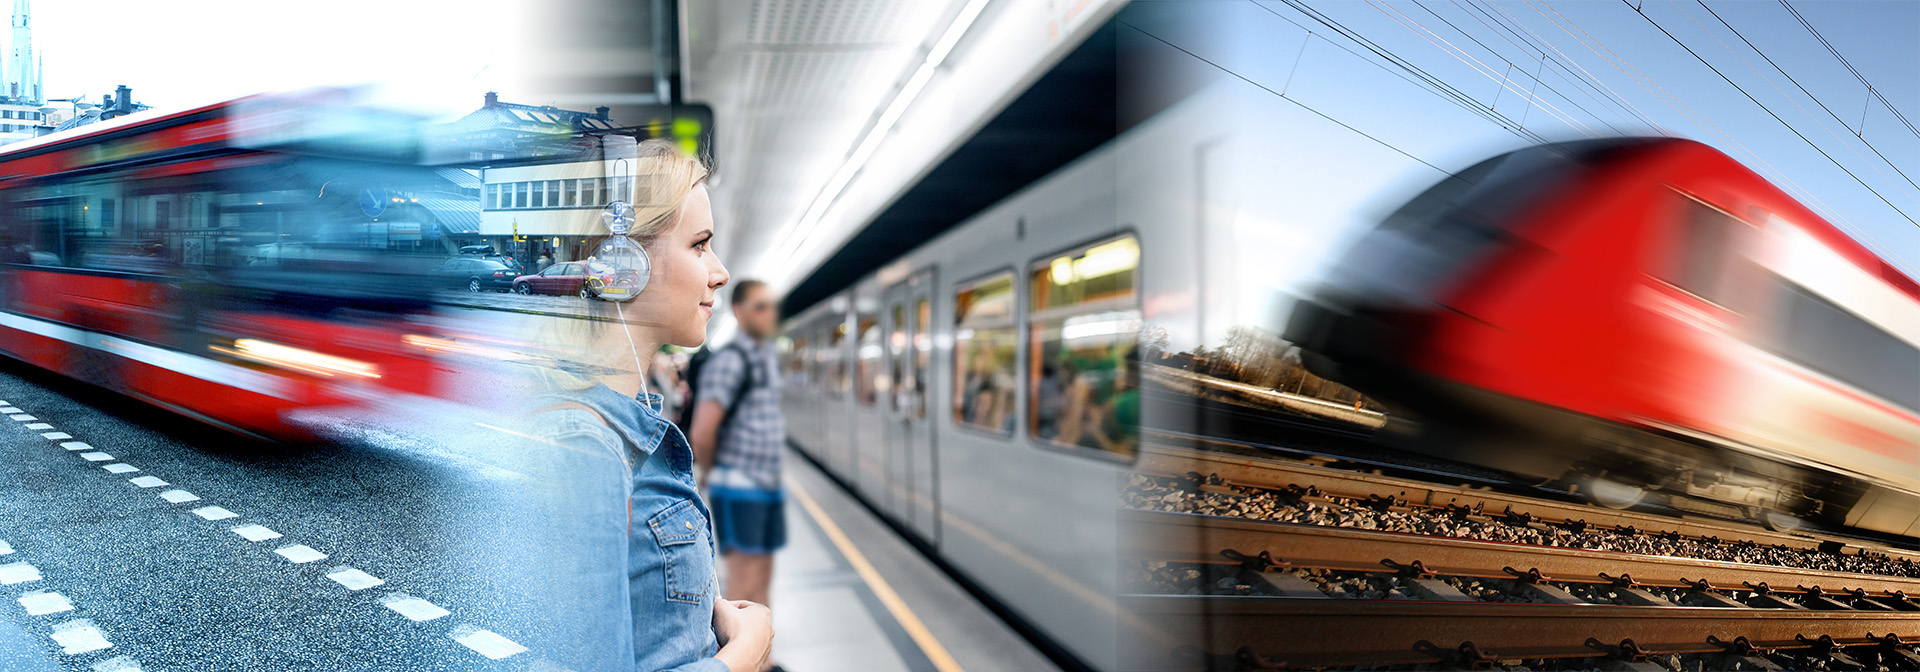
x,y
231,263
1635,317
1639,316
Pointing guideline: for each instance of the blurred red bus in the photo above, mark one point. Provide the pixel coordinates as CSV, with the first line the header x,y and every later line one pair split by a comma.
x,y
231,263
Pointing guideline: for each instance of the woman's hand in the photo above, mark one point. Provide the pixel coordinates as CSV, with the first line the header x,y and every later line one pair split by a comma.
x,y
745,632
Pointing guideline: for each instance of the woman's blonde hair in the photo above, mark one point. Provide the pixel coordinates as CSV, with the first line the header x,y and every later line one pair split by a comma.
x,y
663,175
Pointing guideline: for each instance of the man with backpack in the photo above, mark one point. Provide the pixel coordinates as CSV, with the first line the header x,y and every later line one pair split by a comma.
x,y
738,436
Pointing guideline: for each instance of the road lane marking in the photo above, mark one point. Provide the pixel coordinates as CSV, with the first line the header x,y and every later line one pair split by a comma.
x,y
121,468
485,642
214,513
256,533
76,445
80,636
354,579
56,436
22,417
929,645
178,496
147,482
39,425
45,602
18,572
120,664
9,409
5,549
299,554
95,456
413,608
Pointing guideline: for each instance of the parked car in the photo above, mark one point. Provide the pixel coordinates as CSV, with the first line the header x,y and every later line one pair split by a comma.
x,y
565,277
476,274
507,261
478,250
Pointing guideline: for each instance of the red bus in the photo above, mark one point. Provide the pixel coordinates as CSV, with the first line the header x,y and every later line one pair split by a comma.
x,y
231,263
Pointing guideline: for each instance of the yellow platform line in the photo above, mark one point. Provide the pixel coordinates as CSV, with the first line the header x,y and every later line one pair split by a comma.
x,y
923,637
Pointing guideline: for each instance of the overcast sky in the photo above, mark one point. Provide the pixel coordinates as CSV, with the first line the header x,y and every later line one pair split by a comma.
x,y
437,56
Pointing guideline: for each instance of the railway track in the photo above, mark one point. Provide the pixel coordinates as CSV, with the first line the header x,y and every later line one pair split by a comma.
x,y
1271,565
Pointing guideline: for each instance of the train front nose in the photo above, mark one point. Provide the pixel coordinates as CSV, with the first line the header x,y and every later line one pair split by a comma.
x,y
1348,343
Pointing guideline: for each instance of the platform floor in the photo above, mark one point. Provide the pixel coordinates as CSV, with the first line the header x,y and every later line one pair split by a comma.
x,y
850,594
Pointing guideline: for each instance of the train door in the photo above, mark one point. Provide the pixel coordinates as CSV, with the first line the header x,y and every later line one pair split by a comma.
x,y
923,506
909,435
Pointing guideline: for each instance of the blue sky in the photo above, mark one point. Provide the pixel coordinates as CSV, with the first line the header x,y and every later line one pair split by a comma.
x,y
1609,70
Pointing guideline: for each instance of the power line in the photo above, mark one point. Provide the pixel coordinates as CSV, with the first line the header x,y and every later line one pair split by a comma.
x,y
1871,90
1536,75
1816,100
1296,102
1776,117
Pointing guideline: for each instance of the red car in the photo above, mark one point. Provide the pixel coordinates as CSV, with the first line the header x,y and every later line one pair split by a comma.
x,y
587,279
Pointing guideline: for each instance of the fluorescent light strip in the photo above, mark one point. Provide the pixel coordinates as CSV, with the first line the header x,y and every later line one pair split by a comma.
x,y
803,229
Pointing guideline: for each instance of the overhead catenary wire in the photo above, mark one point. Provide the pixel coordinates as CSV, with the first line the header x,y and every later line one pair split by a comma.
x,y
1585,85
1871,89
1536,75
1420,79
1796,104
1796,132
1507,83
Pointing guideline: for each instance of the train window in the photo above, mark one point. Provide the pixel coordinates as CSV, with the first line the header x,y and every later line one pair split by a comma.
x,y
1702,258
1084,364
838,382
870,379
985,347
922,355
897,353
1816,332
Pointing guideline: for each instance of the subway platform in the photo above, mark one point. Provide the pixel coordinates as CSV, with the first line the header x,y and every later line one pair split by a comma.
x,y
850,594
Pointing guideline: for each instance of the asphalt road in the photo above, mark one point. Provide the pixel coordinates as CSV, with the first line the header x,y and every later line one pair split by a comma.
x,y
102,571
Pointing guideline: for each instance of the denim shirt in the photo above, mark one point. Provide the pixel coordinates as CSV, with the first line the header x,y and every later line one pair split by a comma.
x,y
662,617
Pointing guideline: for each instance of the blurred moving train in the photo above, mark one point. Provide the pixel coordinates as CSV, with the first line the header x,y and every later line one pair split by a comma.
x,y
1635,316
229,262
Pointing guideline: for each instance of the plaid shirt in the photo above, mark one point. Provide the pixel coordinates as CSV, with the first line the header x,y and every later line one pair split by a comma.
x,y
752,441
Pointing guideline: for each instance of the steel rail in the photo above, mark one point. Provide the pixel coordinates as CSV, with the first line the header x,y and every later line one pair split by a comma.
x,y
1184,537
1276,632
1275,474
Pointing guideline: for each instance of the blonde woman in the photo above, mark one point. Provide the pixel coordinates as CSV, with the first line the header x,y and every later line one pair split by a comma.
x,y
622,473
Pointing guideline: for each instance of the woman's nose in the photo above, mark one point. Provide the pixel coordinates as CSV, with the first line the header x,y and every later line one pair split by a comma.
x,y
717,276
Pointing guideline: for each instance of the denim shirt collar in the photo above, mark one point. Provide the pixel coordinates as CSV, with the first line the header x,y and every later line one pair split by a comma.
x,y
637,420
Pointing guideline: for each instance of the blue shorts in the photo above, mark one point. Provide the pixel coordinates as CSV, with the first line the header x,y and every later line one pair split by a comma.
x,y
748,520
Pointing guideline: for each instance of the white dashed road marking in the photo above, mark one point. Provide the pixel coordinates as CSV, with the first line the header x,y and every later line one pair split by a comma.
x,y
76,445
119,468
22,417
147,482
5,549
56,436
412,607
120,664
79,636
486,642
95,456
300,553
9,409
354,579
18,572
256,532
214,513
178,496
45,602
39,425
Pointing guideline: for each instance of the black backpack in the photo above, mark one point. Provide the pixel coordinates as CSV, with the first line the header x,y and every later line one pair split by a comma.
x,y
699,361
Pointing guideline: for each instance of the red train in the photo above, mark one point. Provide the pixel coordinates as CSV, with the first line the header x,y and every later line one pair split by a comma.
x,y
1638,317
228,262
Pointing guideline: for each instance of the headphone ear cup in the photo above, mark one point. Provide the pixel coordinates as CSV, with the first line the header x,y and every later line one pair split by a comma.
x,y
646,269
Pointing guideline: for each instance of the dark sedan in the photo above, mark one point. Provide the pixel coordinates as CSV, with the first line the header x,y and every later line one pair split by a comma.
x,y
476,274
566,277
